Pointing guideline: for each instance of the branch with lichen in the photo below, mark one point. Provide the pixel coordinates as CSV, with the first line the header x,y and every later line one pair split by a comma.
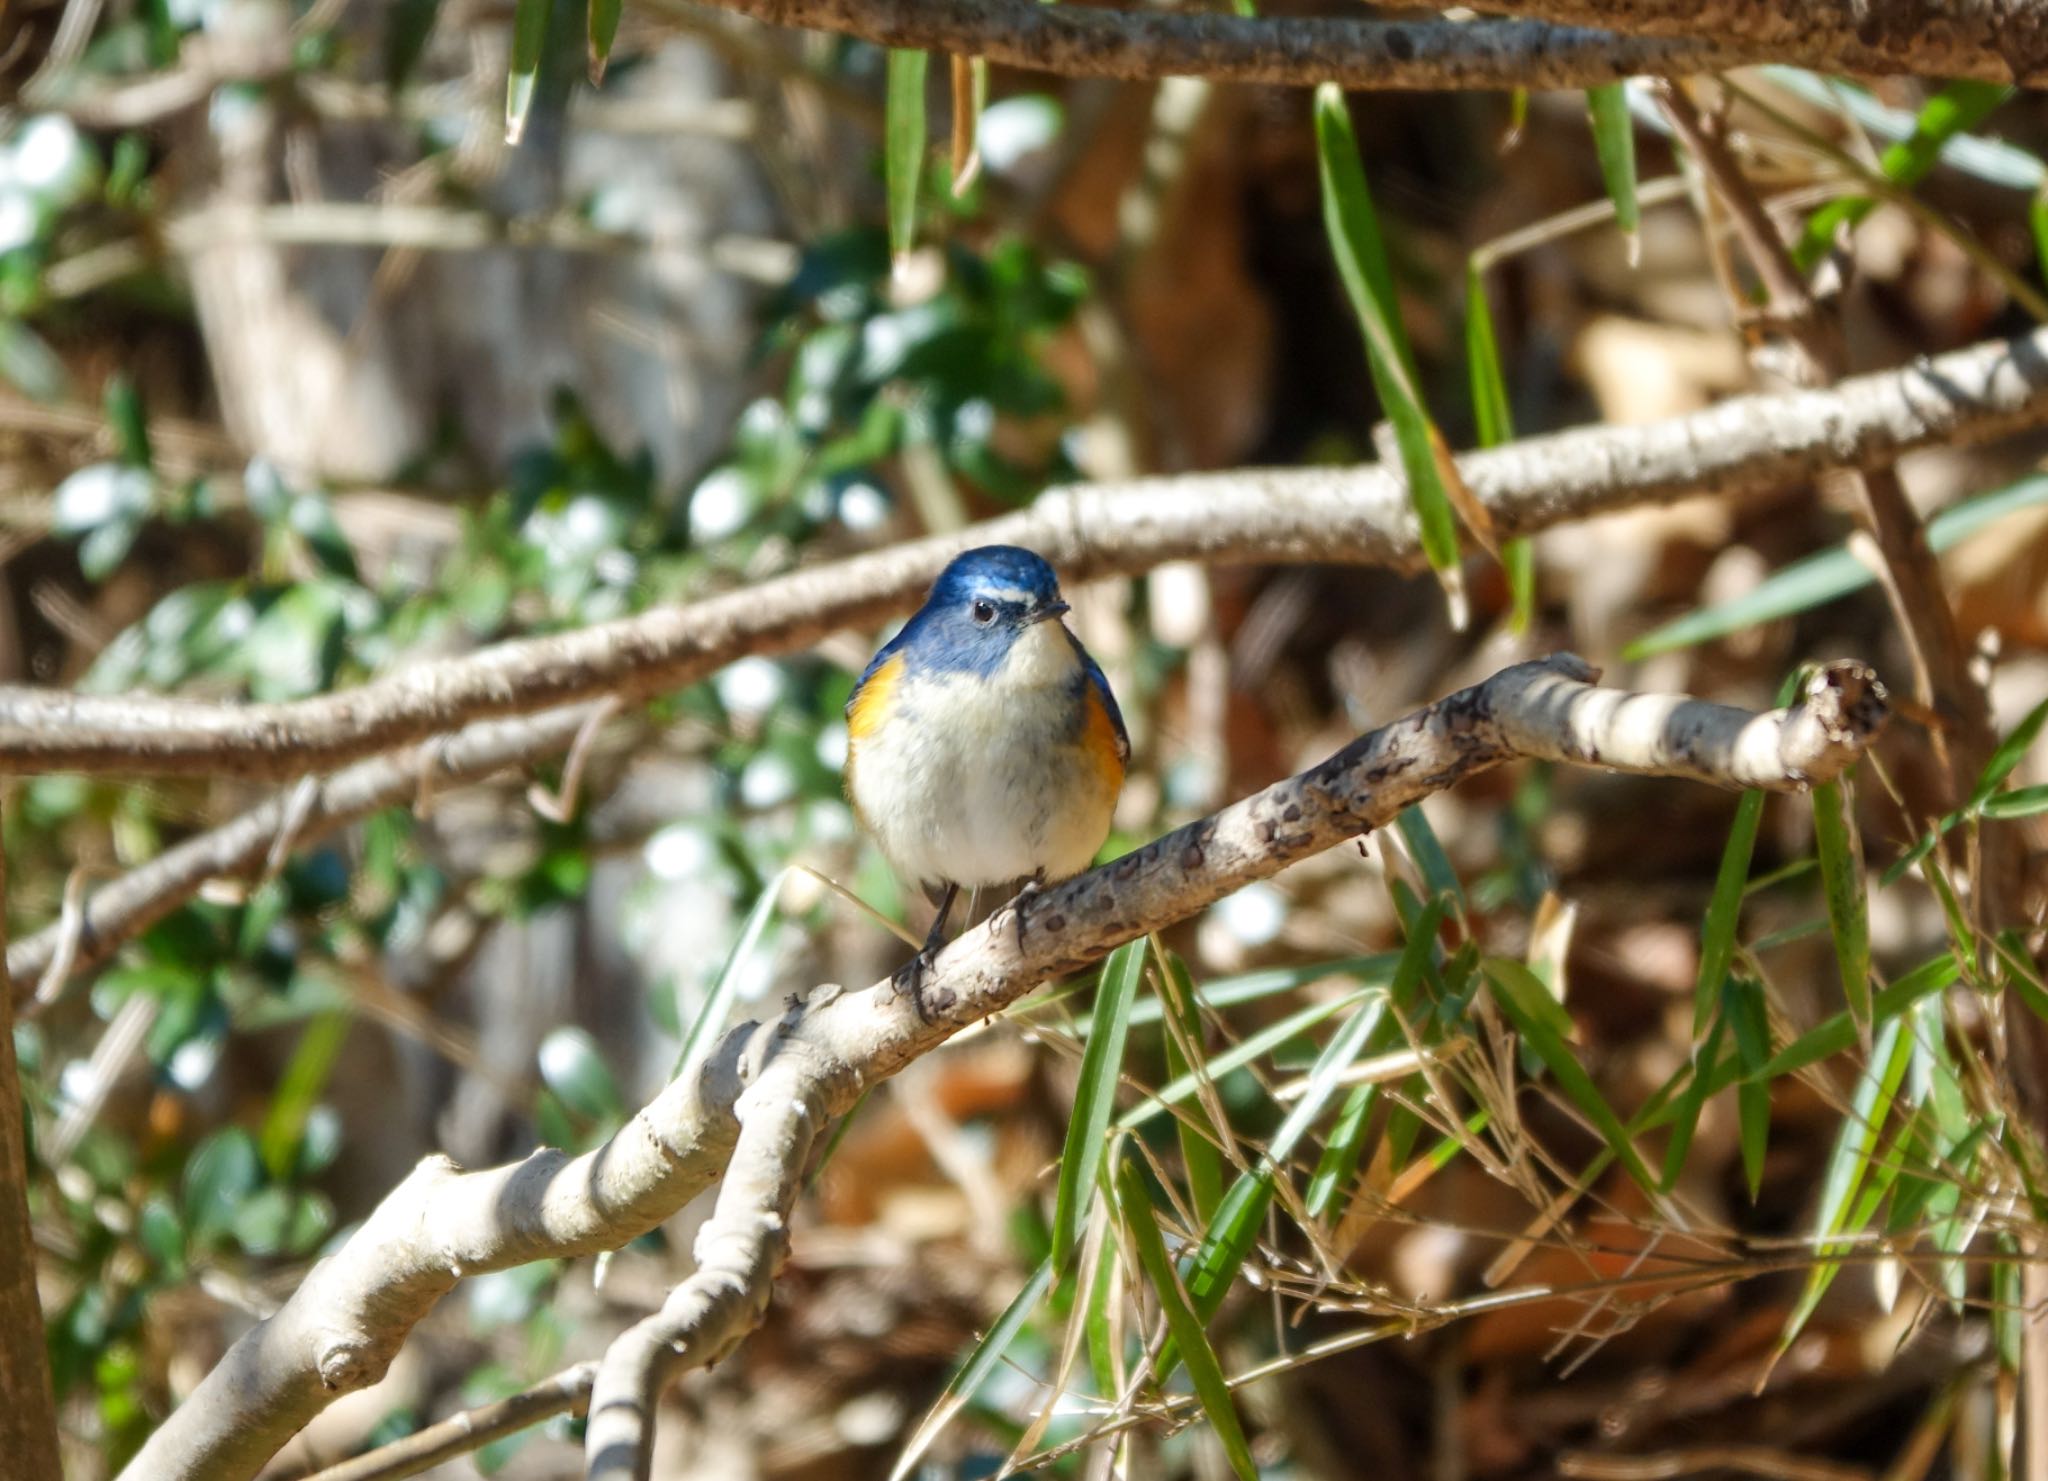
x,y
748,1115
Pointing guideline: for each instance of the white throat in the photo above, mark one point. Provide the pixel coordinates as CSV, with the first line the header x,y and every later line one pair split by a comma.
x,y
1043,657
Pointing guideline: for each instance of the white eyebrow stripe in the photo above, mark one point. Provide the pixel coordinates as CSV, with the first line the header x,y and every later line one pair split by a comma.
x,y
1005,594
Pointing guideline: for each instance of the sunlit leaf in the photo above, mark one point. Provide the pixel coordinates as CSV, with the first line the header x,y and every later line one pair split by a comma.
x,y
1181,1322
1614,141
1841,874
982,1361
1724,909
1832,574
905,140
529,38
1744,1005
1198,1154
1102,1063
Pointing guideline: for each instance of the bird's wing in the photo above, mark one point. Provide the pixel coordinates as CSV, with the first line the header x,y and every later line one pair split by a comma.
x,y
1102,692
875,666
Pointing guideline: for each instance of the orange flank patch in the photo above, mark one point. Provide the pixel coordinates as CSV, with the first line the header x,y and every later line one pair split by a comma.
x,y
1099,741
874,701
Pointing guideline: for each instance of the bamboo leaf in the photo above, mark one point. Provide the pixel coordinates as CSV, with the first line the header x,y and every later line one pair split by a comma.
x,y
2021,802
1614,141
1495,423
1870,1104
1744,1006
1838,1033
604,29
1832,574
1955,110
987,1355
1102,1063
1181,1323
1686,1112
1724,909
1198,1154
904,143
1530,1009
2011,751
711,1018
1841,874
1252,1047
1355,242
529,38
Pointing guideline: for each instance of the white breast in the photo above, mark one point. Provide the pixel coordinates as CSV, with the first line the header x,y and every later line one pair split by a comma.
x,y
982,782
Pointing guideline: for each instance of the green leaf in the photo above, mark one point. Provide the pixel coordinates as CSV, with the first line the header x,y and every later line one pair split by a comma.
x,y
1832,574
1495,423
529,37
1430,857
1743,1004
1339,1161
1686,1112
1353,229
2011,751
1181,1322
129,422
1614,141
1838,1033
905,142
1100,1331
983,1361
1231,1233
2022,802
709,1021
1102,1063
298,1088
1533,1012
604,29
1198,1154
1841,874
2037,220
1251,1047
407,26
1956,109
222,1172
1871,1103
1724,909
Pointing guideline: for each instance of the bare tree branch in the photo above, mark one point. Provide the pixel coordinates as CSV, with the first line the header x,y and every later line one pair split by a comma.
x,y
1357,515
1991,40
567,1392
341,1328
1304,50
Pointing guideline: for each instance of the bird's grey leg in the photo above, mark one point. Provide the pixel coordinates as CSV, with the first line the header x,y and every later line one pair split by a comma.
x,y
1021,902
910,978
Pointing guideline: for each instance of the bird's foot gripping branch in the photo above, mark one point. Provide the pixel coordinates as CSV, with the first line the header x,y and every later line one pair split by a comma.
x,y
748,1119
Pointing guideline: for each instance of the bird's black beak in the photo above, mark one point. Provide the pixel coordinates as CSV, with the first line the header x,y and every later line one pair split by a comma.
x,y
1049,611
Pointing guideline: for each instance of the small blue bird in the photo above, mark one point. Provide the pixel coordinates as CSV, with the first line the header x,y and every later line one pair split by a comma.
x,y
984,746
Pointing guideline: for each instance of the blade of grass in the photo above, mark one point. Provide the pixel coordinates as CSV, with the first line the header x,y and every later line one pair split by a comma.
x,y
1252,1047
1744,1005
1102,1063
1198,1154
1869,1105
1533,1013
1841,876
1837,1034
1494,421
904,142
1686,1111
1956,109
1339,1161
604,29
529,37
1376,970
1181,1322
1614,142
1724,910
1353,229
986,1356
710,1020
1828,576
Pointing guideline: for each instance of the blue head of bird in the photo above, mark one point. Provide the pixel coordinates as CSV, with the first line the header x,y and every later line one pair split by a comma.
x,y
986,609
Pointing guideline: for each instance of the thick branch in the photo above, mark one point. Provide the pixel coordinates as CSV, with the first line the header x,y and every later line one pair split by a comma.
x,y
1355,515
1083,41
739,1250
342,1326
1992,40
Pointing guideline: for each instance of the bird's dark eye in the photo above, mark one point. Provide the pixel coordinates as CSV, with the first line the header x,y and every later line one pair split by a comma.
x,y
984,612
